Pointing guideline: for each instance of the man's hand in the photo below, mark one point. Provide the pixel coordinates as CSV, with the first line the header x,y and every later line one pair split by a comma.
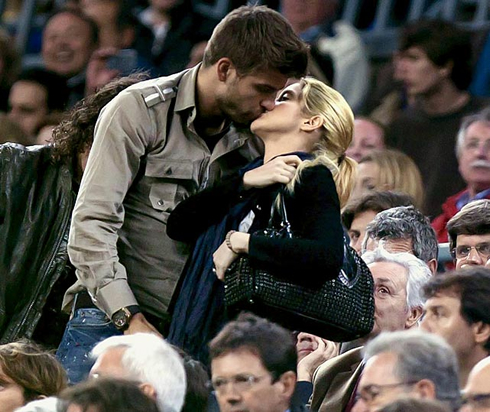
x,y
279,170
139,324
223,258
307,366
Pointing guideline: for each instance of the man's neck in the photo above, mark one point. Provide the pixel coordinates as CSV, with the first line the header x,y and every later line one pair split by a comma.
x,y
444,100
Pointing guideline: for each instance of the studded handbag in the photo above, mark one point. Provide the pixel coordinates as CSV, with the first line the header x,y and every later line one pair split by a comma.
x,y
342,309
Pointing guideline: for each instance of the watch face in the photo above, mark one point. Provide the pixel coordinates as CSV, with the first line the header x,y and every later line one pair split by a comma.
x,y
120,319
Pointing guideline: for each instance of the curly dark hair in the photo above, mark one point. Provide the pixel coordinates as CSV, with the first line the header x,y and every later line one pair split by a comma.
x,y
75,134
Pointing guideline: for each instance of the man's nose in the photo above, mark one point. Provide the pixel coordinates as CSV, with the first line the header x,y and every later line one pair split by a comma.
x,y
268,104
474,257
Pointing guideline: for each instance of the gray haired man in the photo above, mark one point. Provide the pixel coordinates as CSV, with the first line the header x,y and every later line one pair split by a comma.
x,y
398,280
407,364
147,359
403,229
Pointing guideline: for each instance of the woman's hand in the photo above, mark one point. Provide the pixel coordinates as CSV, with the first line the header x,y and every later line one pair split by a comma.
x,y
223,258
279,170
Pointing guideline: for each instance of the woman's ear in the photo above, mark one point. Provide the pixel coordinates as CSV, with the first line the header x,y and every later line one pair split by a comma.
x,y
311,124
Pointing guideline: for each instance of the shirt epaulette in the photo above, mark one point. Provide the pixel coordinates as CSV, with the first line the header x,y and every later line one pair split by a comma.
x,y
160,95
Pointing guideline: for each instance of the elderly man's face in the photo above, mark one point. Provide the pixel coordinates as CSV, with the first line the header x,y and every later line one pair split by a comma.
x,y
379,384
474,157
472,250
390,297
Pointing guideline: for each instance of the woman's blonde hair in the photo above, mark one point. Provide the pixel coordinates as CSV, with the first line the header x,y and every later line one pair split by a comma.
x,y
398,172
338,125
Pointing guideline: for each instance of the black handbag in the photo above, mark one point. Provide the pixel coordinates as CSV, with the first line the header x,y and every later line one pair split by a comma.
x,y
342,309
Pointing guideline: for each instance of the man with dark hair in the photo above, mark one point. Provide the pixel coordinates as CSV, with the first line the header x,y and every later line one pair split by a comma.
x,y
257,358
403,229
473,153
35,94
159,142
434,64
458,309
469,234
359,213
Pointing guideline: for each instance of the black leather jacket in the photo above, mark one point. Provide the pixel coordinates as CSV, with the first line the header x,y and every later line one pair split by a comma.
x,y
36,202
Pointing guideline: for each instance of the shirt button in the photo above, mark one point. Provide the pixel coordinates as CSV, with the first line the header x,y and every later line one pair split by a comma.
x,y
160,202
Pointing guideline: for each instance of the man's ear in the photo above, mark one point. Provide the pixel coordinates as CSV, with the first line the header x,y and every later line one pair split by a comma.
x,y
311,124
288,382
426,389
481,332
148,390
413,317
432,266
223,68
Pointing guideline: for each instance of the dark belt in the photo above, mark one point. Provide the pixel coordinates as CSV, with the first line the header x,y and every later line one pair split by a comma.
x,y
162,324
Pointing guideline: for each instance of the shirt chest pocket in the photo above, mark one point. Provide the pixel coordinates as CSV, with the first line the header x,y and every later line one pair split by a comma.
x,y
171,181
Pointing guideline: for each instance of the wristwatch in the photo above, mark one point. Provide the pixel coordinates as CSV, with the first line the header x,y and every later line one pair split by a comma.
x,y
121,317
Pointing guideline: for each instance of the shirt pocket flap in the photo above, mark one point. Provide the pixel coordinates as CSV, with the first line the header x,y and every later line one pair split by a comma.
x,y
170,169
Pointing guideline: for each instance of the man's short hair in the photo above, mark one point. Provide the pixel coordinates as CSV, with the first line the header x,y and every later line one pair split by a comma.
x,y
445,44
35,370
472,219
376,202
54,84
481,116
471,287
257,38
151,359
405,222
273,344
418,273
420,355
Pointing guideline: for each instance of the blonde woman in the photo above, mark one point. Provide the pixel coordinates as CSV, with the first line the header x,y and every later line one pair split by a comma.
x,y
387,169
305,137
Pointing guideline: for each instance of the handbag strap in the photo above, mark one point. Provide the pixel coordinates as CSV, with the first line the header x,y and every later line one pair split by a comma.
x,y
282,213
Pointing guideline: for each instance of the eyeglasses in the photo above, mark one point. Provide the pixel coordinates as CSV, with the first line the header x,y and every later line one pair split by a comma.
x,y
476,400
241,383
463,251
369,393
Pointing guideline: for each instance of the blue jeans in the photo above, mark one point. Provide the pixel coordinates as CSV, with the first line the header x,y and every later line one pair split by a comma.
x,y
84,330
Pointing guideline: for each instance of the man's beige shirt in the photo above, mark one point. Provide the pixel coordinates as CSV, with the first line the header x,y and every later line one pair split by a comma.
x,y
146,157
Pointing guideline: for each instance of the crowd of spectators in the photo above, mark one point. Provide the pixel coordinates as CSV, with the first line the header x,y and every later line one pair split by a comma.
x,y
97,92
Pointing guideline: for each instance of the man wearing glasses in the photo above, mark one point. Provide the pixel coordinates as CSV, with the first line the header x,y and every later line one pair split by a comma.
x,y
469,234
253,366
458,310
476,394
405,364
